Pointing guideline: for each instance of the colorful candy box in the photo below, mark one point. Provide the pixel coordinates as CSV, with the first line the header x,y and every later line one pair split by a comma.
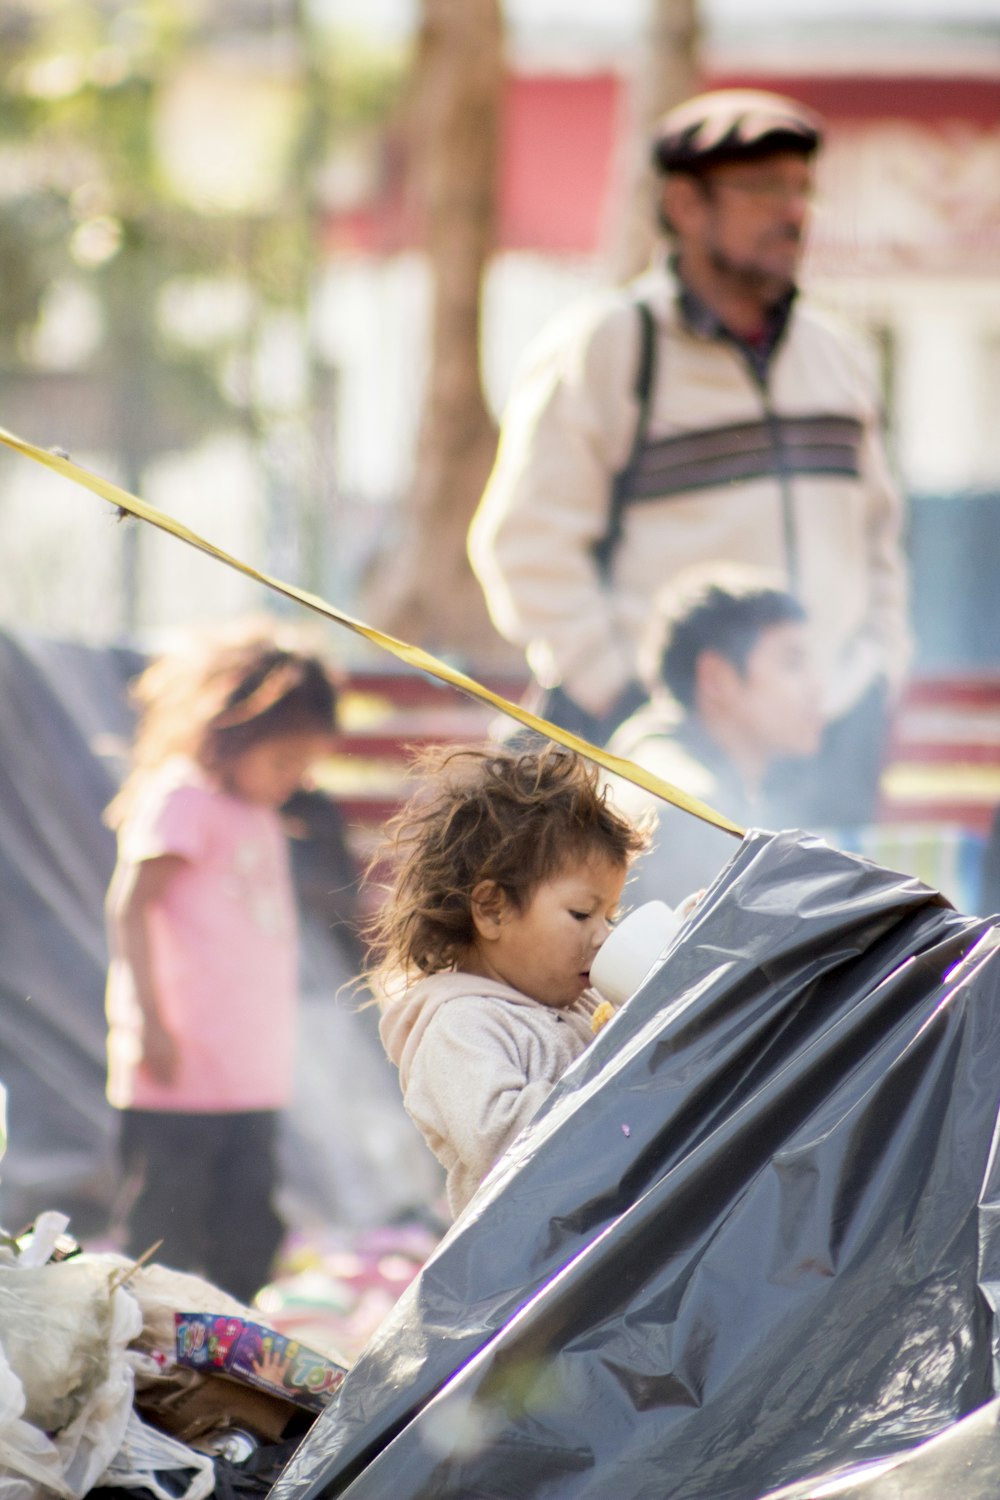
x,y
257,1355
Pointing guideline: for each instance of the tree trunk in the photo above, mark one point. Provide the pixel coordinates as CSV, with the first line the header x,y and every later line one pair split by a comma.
x,y
670,73
424,589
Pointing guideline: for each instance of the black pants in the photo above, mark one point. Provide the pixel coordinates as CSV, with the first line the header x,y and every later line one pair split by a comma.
x,y
203,1183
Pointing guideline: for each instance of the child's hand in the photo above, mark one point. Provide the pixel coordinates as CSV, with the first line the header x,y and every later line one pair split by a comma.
x,y
602,1015
160,1054
689,903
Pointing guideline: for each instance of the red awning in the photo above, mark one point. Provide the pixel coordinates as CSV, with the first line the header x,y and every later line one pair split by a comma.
x,y
559,135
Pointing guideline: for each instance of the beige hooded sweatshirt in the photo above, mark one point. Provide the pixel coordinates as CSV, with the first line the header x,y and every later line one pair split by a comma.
x,y
476,1059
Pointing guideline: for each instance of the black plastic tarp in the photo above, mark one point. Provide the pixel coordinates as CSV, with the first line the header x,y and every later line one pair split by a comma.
x,y
962,1463
751,1236
64,727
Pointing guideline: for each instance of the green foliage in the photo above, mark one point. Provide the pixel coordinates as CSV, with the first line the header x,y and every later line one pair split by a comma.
x,y
85,89
362,86
33,252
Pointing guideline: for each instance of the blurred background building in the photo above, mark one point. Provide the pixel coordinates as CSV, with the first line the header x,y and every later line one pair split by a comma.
x,y
216,289
906,242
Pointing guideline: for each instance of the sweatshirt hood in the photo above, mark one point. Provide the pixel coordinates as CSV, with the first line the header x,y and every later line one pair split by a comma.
x,y
405,1019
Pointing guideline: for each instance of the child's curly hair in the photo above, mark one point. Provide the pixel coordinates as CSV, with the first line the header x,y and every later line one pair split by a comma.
x,y
514,817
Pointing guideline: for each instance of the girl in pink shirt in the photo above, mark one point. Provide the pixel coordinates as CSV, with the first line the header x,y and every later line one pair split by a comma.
x,y
202,987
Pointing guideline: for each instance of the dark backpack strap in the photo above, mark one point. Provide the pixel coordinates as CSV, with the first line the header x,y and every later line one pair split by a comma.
x,y
645,374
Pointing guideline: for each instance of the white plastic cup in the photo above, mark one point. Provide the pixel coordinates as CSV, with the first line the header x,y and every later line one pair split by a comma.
x,y
624,960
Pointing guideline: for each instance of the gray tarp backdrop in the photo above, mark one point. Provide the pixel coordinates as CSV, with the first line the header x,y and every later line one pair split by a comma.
x,y
351,1155
751,1237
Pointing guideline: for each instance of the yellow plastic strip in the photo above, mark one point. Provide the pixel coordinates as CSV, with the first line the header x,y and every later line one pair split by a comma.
x,y
413,656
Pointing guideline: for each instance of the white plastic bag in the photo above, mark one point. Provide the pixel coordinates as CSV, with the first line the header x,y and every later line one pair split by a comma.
x,y
146,1452
64,1328
28,1460
160,1292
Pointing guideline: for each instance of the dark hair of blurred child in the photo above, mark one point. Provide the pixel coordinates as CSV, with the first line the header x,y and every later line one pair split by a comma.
x,y
508,867
202,987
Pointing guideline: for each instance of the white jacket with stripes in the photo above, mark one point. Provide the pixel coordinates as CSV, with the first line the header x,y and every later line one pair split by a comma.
x,y
790,476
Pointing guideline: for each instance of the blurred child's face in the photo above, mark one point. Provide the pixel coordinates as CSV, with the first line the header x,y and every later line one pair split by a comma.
x,y
545,949
269,772
774,703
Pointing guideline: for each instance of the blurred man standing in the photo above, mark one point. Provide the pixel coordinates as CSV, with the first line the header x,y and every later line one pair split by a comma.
x,y
704,413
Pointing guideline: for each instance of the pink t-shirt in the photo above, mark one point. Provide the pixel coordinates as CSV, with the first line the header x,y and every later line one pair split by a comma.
x,y
223,952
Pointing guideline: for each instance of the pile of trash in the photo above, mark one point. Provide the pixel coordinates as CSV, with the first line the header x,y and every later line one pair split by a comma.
x,y
116,1376
119,1376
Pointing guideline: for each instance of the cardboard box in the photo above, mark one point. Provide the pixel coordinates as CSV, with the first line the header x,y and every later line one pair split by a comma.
x,y
257,1355
190,1403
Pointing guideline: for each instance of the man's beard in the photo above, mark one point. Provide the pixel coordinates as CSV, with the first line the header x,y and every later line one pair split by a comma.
x,y
764,286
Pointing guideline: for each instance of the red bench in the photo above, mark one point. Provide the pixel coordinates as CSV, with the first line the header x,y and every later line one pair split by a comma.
x,y
943,764
940,787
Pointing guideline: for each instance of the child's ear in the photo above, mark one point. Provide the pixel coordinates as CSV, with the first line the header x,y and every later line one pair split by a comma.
x,y
716,678
488,903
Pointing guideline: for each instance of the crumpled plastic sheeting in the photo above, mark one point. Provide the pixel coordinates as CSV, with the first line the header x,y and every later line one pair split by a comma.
x,y
750,1237
63,702
963,1462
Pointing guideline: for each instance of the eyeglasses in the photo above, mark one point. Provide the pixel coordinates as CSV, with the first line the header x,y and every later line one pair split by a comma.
x,y
774,192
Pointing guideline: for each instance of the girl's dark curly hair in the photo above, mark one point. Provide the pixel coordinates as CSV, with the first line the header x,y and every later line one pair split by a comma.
x,y
514,817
